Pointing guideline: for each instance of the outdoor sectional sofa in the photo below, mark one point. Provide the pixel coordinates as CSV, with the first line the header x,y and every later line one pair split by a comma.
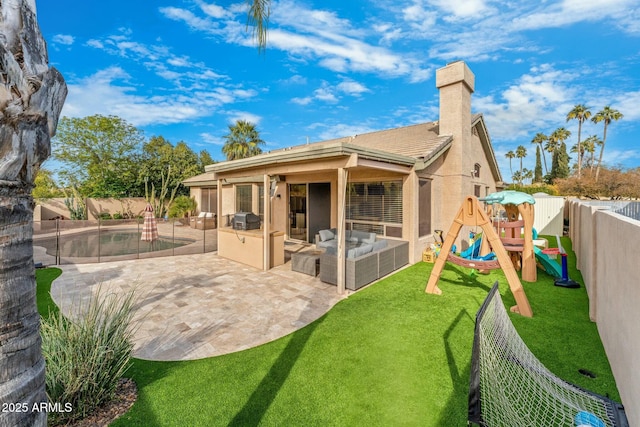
x,y
365,262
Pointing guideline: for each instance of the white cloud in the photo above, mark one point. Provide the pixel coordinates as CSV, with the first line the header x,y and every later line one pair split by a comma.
x,y
572,11
189,18
529,105
214,10
64,39
309,34
95,44
110,92
211,139
234,116
341,130
351,87
302,101
462,9
628,104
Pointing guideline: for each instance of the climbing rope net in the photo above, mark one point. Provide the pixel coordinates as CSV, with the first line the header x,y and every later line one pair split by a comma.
x,y
510,387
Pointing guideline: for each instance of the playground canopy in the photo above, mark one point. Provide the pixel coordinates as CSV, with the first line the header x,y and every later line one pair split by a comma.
x,y
509,197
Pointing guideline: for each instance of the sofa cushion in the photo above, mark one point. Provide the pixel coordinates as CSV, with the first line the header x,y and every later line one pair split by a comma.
x,y
359,251
362,236
328,244
380,244
327,235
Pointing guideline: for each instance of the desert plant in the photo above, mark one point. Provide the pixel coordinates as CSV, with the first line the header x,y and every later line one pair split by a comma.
x,y
86,355
76,204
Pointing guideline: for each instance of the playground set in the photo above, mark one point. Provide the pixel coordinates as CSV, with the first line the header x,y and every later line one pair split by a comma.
x,y
505,243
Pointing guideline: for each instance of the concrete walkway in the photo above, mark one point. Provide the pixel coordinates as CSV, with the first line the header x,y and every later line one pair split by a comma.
x,y
195,306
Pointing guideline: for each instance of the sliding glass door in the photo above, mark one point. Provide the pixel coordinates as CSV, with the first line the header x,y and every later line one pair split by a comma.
x,y
298,211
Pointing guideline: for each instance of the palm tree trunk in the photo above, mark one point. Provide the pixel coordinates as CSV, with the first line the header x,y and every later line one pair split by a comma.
x,y
579,150
21,362
31,97
604,139
544,159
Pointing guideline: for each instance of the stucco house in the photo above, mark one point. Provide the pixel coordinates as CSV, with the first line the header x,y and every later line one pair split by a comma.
x,y
401,183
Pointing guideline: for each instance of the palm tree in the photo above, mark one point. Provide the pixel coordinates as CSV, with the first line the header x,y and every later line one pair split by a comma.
x,y
510,155
606,115
258,17
589,145
527,174
242,141
521,153
33,95
581,113
539,139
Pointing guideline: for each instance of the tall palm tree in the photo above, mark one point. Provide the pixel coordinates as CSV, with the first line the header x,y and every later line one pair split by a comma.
x,y
510,155
33,95
539,139
589,145
521,153
606,115
243,140
581,113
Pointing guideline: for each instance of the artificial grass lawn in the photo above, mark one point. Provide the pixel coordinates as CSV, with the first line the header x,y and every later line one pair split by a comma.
x,y
388,355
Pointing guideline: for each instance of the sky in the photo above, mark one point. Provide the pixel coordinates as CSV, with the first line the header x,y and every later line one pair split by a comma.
x,y
187,69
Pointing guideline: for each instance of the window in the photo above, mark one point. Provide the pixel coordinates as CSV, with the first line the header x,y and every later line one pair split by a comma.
x,y
424,207
476,170
261,201
374,206
243,198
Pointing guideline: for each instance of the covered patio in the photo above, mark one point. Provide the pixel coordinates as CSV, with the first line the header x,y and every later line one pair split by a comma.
x,y
333,185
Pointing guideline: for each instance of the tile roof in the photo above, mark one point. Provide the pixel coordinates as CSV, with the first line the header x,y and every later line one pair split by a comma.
x,y
418,141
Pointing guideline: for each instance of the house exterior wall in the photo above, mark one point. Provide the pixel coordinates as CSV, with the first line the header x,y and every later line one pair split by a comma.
x,y
448,191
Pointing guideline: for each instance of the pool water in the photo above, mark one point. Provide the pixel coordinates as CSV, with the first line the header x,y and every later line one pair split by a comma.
x,y
108,243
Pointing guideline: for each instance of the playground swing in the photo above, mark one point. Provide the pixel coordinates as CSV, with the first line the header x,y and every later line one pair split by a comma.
x,y
470,214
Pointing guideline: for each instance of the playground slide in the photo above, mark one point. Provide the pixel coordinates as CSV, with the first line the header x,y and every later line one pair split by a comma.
x,y
549,265
473,250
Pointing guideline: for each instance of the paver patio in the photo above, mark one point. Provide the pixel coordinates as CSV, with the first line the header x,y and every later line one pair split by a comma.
x,y
195,306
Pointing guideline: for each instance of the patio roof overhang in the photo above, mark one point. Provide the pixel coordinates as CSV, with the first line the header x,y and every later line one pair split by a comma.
x,y
315,157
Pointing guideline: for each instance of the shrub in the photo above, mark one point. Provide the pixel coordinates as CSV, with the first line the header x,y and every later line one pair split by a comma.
x,y
118,215
104,215
86,356
181,206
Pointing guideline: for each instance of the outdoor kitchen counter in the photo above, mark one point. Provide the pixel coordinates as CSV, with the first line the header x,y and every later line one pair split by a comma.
x,y
247,246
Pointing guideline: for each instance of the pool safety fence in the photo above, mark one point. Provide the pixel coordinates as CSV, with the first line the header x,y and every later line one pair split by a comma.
x,y
58,241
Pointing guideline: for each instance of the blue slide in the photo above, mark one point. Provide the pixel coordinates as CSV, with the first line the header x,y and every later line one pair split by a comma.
x,y
472,251
550,266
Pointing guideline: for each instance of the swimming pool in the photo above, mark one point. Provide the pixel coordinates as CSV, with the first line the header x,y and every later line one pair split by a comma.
x,y
106,243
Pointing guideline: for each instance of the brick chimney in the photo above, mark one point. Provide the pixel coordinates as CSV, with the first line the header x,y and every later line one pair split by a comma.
x,y
456,83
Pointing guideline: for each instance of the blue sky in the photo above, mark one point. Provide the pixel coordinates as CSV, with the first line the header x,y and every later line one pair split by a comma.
x,y
186,69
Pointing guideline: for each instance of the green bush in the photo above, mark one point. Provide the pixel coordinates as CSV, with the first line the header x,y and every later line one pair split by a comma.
x,y
86,356
104,215
181,206
535,188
